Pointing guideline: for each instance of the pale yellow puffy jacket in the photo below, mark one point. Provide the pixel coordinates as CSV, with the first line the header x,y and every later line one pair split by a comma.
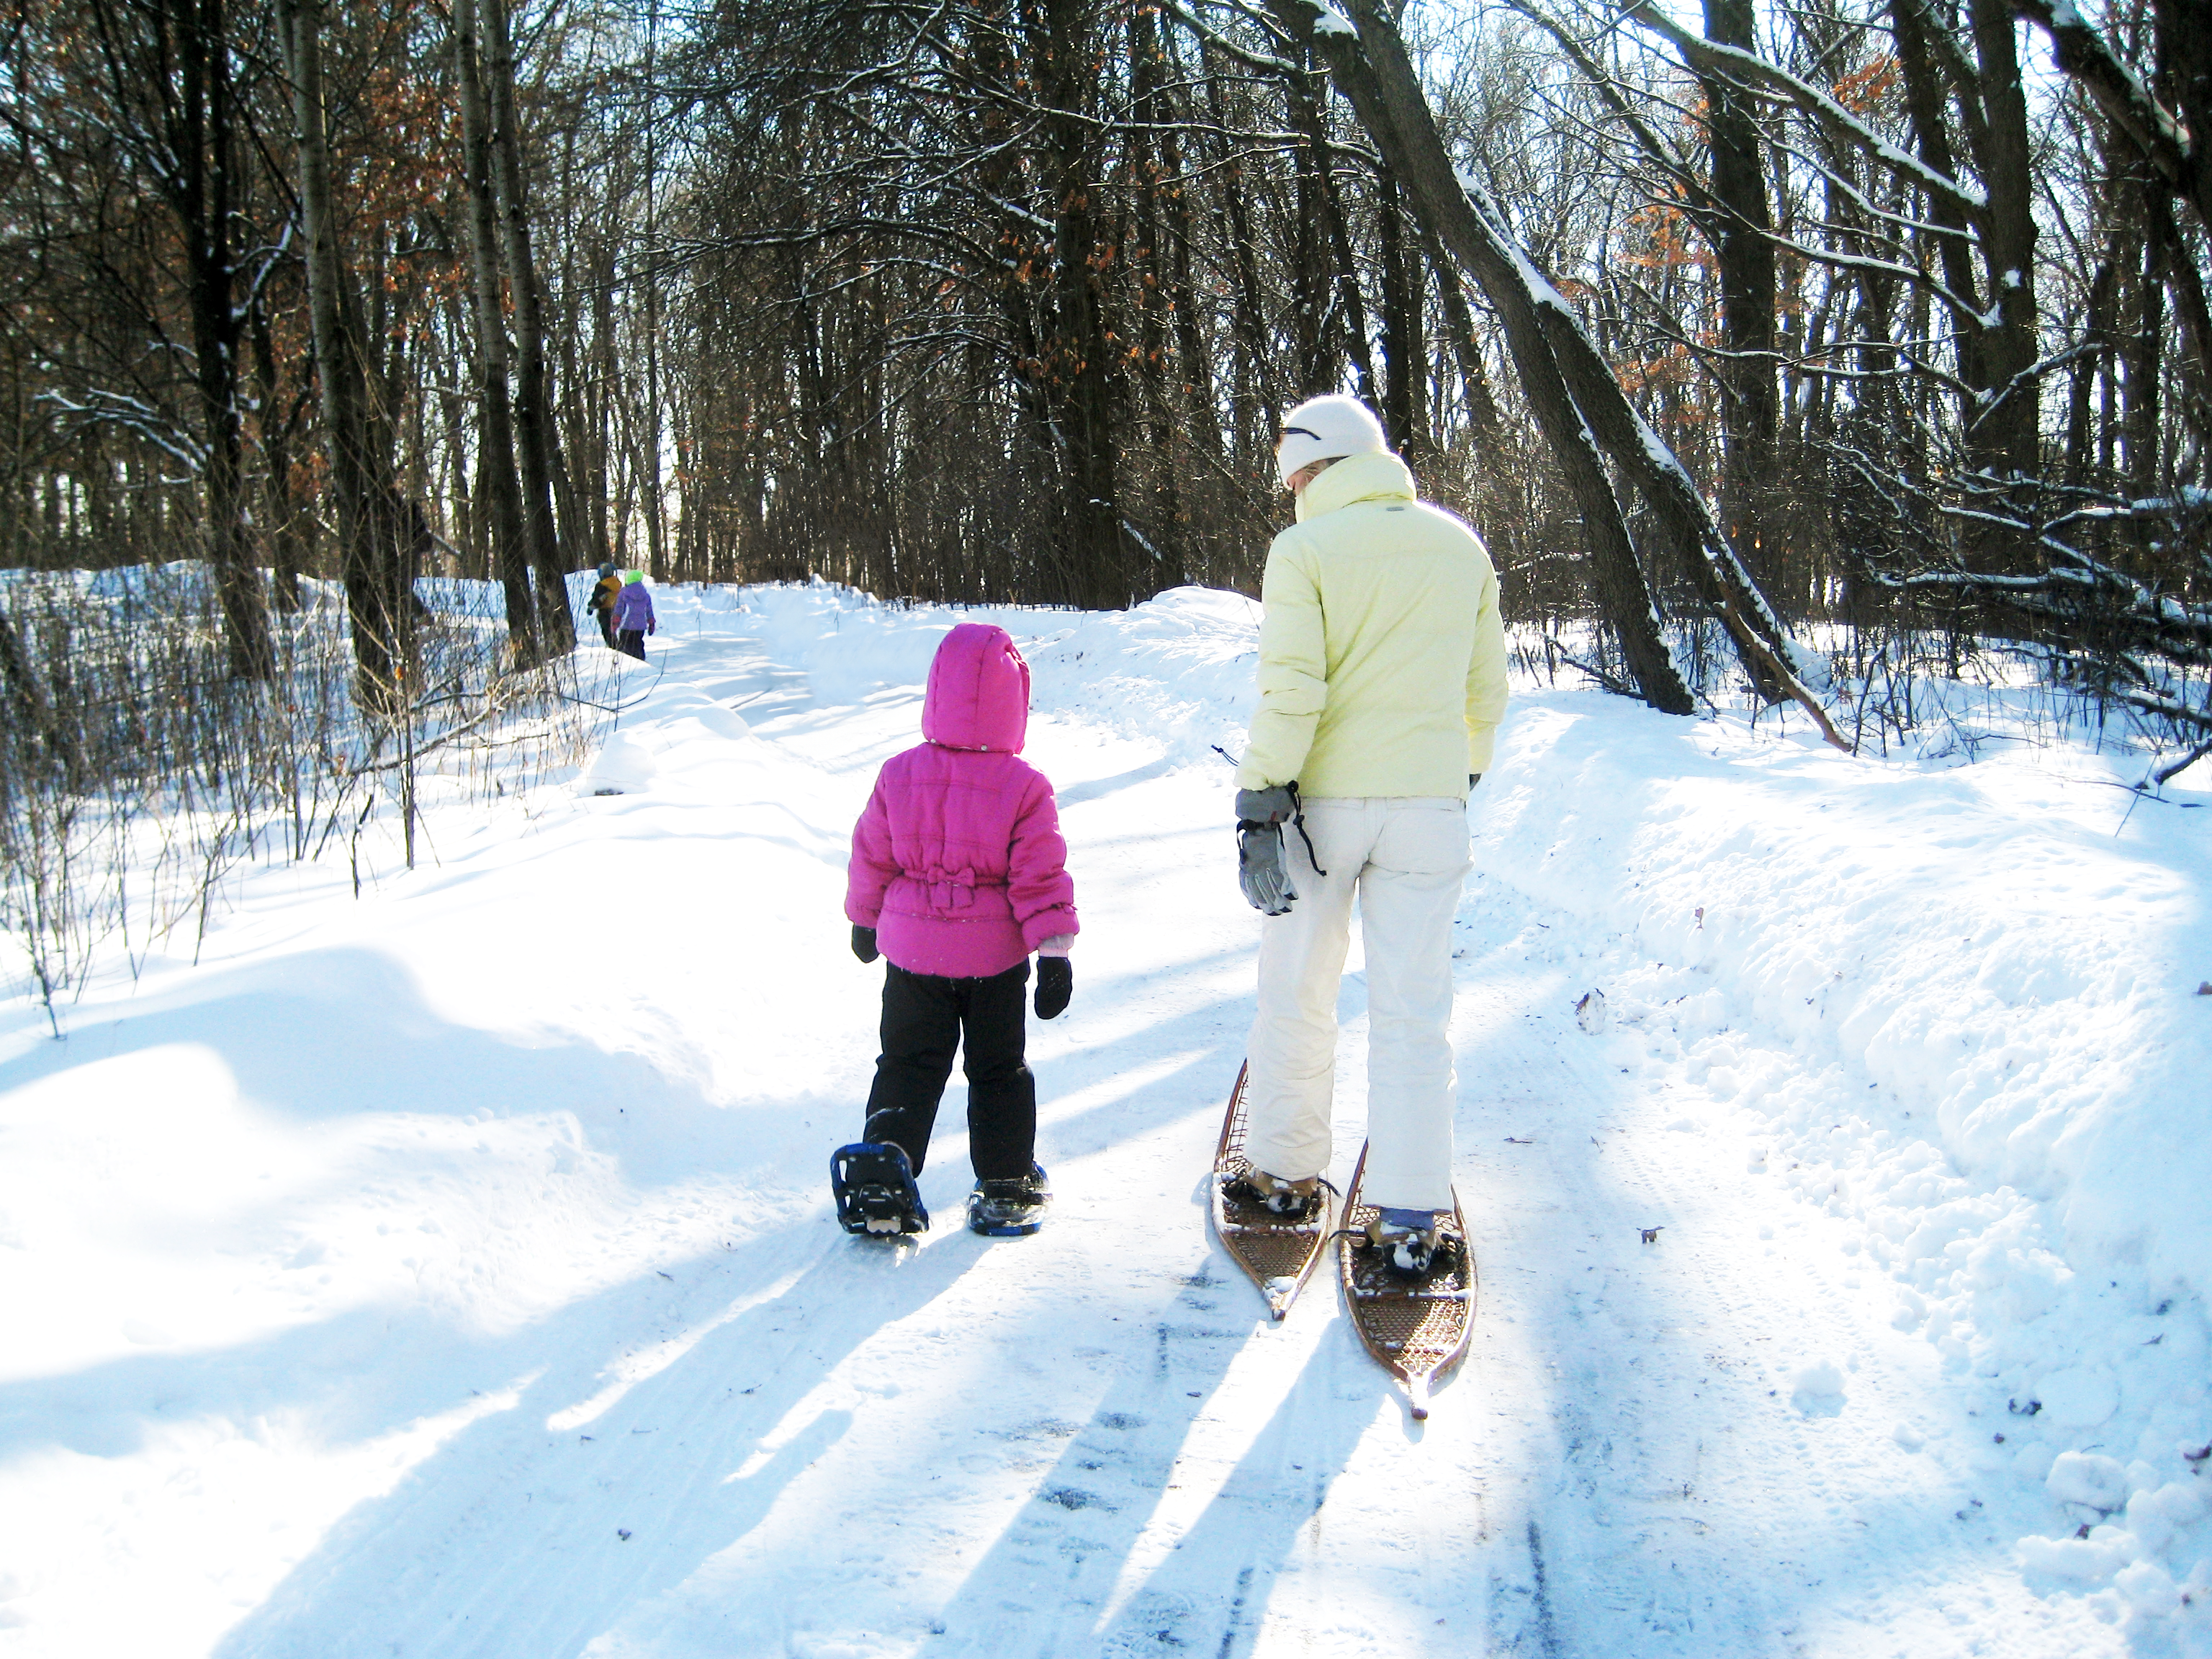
x,y
1382,655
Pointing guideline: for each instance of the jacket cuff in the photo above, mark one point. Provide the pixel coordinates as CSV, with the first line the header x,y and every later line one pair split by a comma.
x,y
1057,945
1048,925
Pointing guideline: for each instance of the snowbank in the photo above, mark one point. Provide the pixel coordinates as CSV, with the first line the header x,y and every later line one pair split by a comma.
x,y
2000,964
1176,671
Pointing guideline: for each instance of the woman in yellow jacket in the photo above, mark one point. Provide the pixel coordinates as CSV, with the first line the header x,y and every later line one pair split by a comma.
x,y
1381,683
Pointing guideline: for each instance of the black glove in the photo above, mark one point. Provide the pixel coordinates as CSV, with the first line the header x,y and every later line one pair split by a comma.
x,y
864,943
1262,871
1055,984
1277,804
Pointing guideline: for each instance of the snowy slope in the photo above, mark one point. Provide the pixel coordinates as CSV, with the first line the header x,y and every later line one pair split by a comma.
x,y
450,1272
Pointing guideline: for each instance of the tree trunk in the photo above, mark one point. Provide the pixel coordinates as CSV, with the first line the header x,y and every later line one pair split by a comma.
x,y
651,493
499,491
1404,348
279,426
2140,447
1742,249
536,454
203,149
1467,350
1196,375
1341,324
368,549
1154,291
1247,325
1079,357
2096,333
1911,24
2002,439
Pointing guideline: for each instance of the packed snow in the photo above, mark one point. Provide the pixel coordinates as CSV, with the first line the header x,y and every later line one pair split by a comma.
x,y
451,1271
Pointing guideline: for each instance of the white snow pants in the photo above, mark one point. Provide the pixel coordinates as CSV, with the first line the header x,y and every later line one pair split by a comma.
x,y
1404,857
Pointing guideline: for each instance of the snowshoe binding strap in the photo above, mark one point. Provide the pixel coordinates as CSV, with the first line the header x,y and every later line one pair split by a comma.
x,y
1010,1208
1284,1201
872,1182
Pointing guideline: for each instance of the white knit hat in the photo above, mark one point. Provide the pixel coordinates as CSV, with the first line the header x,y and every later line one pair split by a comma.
x,y
1327,428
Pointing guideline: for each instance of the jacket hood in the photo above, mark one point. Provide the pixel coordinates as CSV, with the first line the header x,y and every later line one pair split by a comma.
x,y
1356,478
979,691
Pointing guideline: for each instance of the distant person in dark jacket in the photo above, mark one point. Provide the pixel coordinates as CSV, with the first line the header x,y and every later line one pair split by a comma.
x,y
632,613
602,601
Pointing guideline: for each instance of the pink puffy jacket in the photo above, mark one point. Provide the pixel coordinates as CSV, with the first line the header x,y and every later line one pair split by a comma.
x,y
957,862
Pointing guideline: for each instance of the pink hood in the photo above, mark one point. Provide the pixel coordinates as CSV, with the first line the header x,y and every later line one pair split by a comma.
x,y
979,691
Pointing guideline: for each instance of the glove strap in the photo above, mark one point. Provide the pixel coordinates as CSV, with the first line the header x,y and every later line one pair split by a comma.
x,y
1299,818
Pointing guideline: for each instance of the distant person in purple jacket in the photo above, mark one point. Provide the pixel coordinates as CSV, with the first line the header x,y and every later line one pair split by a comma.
x,y
634,617
958,873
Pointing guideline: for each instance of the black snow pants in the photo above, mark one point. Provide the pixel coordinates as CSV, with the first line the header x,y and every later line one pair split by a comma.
x,y
633,643
925,1016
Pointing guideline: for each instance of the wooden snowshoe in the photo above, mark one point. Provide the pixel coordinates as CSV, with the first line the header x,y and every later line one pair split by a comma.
x,y
1278,1253
1417,1330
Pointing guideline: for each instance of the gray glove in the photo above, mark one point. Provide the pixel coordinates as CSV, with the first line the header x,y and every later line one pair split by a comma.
x,y
1276,805
1262,871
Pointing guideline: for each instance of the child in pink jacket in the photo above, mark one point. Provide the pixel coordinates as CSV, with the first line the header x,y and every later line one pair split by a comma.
x,y
958,872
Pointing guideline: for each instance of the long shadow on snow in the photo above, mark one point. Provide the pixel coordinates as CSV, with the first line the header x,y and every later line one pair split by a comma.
x,y
1068,1545
508,1540
1091,1507
318,1038
1219,1574
534,1513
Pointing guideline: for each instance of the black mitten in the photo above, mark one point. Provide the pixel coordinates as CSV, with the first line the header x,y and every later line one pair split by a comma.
x,y
864,943
1055,984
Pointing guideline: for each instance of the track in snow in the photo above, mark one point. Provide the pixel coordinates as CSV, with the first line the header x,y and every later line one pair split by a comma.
x,y
1093,1441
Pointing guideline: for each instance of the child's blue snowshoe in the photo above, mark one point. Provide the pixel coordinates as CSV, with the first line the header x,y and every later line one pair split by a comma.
x,y
873,1184
1012,1208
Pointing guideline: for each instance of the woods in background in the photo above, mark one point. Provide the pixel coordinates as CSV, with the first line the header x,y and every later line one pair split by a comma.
x,y
1865,316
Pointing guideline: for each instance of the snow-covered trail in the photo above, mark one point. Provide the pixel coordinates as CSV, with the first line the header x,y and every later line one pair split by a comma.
x,y
554,1349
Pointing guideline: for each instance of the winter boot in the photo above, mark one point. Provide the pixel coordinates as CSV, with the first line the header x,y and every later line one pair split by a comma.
x,y
1411,1244
1293,1201
1009,1208
873,1183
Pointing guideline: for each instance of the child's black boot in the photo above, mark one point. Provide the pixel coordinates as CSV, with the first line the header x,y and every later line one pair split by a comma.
x,y
1010,1208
